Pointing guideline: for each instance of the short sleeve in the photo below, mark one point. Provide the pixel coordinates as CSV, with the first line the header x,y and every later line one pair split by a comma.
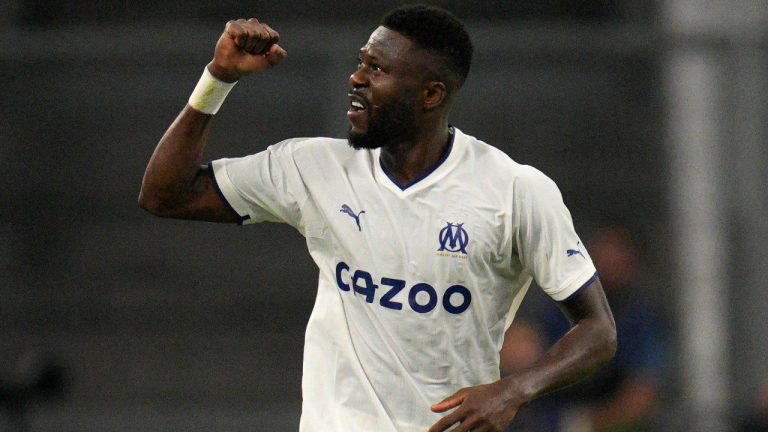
x,y
263,187
545,239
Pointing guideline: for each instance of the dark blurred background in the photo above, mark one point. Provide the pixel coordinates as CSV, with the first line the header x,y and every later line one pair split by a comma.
x,y
650,116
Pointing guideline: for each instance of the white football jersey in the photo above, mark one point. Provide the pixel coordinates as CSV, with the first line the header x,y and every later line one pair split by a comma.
x,y
418,284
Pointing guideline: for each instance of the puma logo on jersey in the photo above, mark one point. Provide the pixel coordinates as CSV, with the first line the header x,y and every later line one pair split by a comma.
x,y
356,216
577,251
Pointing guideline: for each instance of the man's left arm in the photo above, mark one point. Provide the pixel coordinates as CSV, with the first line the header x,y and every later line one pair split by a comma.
x,y
589,345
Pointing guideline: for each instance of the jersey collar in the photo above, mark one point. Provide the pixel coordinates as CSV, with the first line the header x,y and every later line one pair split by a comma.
x,y
432,175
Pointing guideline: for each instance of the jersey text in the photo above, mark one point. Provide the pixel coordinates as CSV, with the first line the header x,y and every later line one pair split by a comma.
x,y
422,297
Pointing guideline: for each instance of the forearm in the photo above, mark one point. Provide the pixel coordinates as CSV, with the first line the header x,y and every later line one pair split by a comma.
x,y
173,175
174,185
589,345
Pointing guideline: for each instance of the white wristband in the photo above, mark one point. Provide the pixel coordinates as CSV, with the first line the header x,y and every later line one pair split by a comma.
x,y
209,93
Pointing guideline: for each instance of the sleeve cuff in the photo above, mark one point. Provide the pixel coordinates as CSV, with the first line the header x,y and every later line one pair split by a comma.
x,y
574,284
570,297
226,190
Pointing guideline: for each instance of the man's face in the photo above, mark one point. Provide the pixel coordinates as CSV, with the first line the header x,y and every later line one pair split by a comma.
x,y
384,99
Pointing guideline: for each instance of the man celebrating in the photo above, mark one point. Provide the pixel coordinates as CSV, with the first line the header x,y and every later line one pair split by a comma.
x,y
426,238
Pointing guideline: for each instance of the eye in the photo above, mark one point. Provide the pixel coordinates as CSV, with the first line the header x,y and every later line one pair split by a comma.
x,y
373,67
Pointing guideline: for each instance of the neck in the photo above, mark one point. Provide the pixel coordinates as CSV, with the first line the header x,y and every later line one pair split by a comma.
x,y
406,161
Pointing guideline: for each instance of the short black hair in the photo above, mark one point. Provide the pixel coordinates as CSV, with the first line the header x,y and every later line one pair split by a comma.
x,y
437,31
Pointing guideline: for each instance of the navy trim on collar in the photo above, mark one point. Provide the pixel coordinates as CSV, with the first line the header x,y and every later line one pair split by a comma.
x,y
426,174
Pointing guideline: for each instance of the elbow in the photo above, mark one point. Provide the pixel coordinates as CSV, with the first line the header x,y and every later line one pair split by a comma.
x,y
147,203
603,342
612,344
609,340
152,204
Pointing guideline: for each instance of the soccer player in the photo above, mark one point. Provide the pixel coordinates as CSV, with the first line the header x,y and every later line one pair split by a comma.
x,y
426,238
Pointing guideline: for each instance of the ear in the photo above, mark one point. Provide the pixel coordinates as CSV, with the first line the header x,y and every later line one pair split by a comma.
x,y
435,94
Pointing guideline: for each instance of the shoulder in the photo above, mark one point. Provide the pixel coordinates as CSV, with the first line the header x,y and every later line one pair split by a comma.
x,y
529,177
318,154
481,151
310,145
319,159
497,163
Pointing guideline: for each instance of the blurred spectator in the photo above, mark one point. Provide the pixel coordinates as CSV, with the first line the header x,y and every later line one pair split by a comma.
x,y
757,421
524,344
26,376
624,395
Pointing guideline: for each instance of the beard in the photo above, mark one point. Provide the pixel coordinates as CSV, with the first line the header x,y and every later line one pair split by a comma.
x,y
390,124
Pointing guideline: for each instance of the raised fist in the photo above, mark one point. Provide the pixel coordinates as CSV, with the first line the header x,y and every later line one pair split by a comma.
x,y
245,47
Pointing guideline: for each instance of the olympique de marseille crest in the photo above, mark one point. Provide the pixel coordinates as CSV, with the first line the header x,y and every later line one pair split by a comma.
x,y
453,238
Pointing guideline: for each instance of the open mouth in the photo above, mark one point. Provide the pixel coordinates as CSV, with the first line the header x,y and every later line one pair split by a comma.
x,y
356,106
356,103
357,112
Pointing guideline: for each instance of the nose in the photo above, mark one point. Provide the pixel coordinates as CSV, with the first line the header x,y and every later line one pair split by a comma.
x,y
358,78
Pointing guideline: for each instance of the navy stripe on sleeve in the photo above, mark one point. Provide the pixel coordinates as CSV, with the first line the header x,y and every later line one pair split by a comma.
x,y
240,219
576,293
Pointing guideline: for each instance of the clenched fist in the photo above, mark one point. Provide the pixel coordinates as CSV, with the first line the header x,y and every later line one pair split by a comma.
x,y
245,47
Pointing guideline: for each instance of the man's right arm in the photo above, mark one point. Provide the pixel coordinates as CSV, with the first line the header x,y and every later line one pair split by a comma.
x,y
175,185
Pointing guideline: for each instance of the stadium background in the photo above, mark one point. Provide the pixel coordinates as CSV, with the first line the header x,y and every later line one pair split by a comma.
x,y
648,114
